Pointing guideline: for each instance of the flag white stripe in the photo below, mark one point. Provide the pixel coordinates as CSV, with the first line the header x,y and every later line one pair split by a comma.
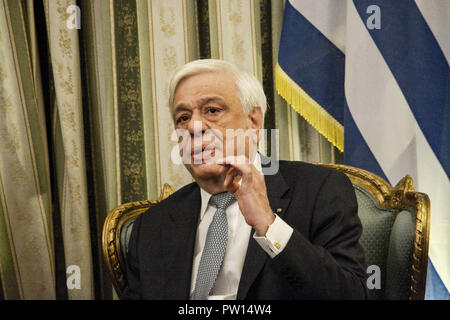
x,y
374,98
436,13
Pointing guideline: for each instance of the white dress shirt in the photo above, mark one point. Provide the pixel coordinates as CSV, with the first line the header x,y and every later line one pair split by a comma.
x,y
227,282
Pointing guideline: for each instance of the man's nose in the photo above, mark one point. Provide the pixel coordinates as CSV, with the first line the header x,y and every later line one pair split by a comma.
x,y
197,126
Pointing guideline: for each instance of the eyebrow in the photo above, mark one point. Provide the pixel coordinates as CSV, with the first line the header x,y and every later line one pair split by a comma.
x,y
214,98
180,107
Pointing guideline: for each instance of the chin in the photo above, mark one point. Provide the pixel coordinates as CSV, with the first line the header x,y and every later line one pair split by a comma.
x,y
205,170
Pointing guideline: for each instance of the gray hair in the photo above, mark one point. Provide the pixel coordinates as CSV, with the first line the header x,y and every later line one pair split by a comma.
x,y
251,93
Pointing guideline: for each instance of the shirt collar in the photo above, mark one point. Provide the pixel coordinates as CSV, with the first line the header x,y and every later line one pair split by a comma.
x,y
206,195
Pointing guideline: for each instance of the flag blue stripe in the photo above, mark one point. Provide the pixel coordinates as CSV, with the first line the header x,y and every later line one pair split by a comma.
x,y
419,67
357,152
435,288
313,62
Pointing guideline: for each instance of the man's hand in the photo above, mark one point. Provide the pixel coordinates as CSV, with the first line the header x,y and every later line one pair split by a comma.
x,y
251,194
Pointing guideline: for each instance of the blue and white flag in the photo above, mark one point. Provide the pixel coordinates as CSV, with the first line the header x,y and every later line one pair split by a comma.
x,y
378,70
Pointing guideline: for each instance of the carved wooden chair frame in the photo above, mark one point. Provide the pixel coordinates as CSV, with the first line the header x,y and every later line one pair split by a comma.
x,y
399,197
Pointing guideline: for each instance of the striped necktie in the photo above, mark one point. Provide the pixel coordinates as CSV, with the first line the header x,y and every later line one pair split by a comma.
x,y
215,246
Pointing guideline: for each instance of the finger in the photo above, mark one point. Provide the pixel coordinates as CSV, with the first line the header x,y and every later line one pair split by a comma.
x,y
231,181
224,169
240,162
230,176
232,160
233,188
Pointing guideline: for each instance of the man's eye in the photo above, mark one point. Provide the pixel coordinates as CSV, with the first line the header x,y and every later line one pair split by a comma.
x,y
182,119
213,110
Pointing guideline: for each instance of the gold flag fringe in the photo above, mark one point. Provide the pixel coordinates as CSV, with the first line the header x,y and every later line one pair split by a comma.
x,y
309,109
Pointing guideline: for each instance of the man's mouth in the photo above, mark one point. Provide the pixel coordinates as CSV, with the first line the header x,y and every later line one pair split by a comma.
x,y
202,153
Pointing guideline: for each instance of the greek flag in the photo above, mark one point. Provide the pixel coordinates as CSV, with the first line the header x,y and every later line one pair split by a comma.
x,y
380,70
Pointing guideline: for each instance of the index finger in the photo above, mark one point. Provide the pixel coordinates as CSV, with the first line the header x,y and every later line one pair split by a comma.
x,y
240,163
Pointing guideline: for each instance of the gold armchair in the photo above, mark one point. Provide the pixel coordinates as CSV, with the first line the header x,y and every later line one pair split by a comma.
x,y
396,227
117,224
395,233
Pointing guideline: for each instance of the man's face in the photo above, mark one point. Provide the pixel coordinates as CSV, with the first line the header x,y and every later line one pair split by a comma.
x,y
207,106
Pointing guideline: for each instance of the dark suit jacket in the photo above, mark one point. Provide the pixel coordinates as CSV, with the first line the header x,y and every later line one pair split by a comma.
x,y
322,260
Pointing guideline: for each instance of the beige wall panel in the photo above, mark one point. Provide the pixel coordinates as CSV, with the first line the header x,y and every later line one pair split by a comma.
x,y
169,51
237,34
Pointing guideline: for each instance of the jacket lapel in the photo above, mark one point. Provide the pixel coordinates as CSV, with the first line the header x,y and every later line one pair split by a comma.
x,y
178,240
256,257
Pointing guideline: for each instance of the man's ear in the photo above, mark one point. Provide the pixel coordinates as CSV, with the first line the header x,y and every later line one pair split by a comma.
x,y
255,121
255,118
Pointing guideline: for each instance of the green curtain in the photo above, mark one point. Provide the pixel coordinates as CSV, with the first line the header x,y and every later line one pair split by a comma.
x,y
84,122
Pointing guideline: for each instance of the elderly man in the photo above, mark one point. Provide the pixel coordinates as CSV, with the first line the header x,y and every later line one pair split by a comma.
x,y
236,233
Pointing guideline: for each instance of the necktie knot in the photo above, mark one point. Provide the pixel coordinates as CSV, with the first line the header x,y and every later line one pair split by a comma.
x,y
222,200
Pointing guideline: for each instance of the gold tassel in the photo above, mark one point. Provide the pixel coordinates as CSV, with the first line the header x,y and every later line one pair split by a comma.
x,y
309,109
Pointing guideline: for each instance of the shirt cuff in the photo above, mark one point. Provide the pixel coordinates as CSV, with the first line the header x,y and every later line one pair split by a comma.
x,y
276,238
